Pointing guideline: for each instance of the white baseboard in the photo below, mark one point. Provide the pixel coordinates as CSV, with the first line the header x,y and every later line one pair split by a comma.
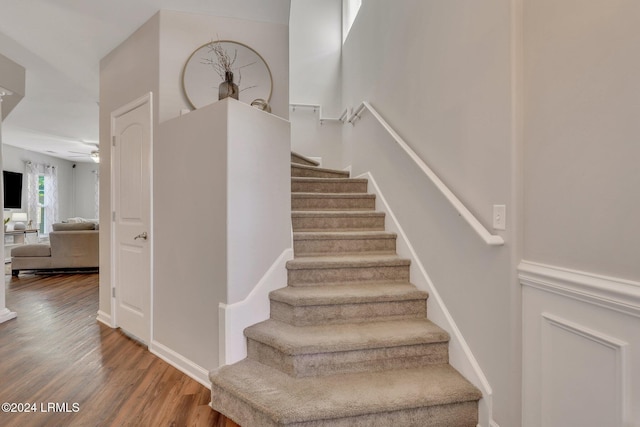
x,y
460,355
234,318
105,318
6,314
181,363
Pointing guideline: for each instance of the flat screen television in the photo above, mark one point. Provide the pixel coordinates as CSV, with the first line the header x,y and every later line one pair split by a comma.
x,y
12,189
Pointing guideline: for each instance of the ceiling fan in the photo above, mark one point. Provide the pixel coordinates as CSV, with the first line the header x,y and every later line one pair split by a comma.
x,y
93,155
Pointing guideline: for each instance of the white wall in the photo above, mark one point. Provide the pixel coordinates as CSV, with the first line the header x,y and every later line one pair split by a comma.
x,y
311,137
236,192
182,33
190,255
581,210
84,178
441,73
12,78
14,160
581,140
189,263
126,73
315,45
258,196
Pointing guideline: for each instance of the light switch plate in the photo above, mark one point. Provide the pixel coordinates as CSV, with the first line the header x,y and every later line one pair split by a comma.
x,y
499,217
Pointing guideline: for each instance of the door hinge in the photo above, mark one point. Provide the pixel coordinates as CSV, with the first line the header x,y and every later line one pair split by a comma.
x,y
113,292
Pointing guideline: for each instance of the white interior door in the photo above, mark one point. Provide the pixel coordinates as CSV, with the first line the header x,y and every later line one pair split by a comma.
x,y
131,238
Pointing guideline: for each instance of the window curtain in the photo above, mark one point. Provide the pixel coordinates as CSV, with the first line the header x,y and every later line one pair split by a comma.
x,y
50,173
32,193
50,197
96,200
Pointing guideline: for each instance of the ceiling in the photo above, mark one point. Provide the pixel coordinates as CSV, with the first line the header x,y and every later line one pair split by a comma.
x,y
61,42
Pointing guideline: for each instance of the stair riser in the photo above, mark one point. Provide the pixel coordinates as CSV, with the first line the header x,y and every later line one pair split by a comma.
x,y
463,414
313,173
313,276
302,161
343,246
332,204
239,410
348,313
342,362
328,187
346,223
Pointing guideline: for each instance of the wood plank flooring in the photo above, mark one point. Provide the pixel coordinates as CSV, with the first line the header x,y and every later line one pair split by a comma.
x,y
55,352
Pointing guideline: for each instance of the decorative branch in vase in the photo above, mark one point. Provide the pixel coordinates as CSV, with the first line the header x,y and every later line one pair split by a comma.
x,y
223,65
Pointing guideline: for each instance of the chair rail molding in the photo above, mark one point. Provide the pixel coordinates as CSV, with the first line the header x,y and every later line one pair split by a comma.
x,y
489,239
580,335
609,292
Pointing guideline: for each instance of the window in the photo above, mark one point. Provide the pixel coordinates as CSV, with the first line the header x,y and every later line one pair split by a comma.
x,y
350,10
42,195
40,210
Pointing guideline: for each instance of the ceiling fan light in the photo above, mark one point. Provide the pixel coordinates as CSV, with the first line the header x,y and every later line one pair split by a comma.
x,y
95,156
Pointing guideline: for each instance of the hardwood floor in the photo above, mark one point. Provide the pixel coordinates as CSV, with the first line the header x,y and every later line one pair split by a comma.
x,y
55,352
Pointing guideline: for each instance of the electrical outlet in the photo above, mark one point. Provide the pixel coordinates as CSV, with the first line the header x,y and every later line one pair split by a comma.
x,y
499,217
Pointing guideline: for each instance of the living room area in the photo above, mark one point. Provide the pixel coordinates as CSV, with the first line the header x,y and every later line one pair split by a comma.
x,y
47,200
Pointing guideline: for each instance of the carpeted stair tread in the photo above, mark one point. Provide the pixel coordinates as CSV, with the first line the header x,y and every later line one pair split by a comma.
x,y
332,242
348,342
295,340
355,235
325,243
333,201
327,180
352,220
325,270
334,214
300,170
363,213
346,261
328,185
311,195
286,400
302,160
347,294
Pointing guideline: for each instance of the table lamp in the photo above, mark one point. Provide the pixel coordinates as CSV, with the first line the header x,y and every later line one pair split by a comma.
x,y
18,219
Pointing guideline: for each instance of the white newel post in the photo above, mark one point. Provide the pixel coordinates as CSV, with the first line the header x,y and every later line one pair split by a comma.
x,y
5,313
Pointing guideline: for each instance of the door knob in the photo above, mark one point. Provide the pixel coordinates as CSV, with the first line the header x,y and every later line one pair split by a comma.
x,y
142,236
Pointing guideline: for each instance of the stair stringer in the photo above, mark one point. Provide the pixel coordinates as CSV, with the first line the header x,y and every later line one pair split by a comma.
x,y
255,308
460,355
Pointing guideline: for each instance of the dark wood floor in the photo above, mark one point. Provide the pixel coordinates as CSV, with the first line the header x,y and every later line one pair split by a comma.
x,y
56,352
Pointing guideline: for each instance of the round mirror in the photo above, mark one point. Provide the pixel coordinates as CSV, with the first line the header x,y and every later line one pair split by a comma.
x,y
201,77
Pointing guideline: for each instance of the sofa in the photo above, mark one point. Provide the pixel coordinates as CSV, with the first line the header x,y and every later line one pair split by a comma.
x,y
71,247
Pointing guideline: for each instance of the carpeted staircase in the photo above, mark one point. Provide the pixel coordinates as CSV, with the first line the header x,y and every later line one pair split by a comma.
x,y
348,342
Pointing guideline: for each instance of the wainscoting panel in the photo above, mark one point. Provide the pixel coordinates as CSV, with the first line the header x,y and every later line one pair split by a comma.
x,y
581,350
582,375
